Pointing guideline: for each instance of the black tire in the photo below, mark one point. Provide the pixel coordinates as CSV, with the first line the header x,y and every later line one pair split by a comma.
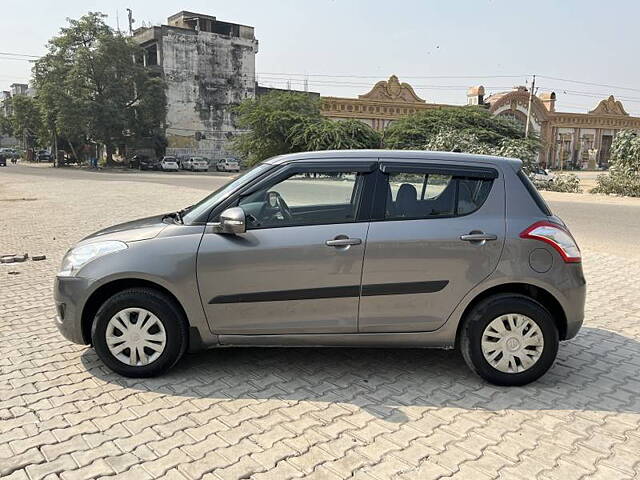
x,y
167,312
488,310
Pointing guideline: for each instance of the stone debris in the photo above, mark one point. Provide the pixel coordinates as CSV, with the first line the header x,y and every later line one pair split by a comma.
x,y
21,258
7,258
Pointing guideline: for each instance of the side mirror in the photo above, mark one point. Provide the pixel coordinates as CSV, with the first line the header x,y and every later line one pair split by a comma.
x,y
232,221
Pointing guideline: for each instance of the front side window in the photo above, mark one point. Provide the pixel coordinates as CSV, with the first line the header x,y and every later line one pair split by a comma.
x,y
309,198
433,195
205,205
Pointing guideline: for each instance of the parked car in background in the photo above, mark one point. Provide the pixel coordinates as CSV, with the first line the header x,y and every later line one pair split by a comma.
x,y
144,162
408,249
44,156
541,175
196,164
185,163
10,153
228,165
181,161
169,164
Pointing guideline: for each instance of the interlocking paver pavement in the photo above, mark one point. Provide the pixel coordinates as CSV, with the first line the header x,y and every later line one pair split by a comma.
x,y
273,413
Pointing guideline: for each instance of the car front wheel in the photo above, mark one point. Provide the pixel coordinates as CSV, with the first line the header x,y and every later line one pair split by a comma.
x,y
139,332
509,339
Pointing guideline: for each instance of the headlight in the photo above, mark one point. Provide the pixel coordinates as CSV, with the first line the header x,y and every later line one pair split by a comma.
x,y
77,257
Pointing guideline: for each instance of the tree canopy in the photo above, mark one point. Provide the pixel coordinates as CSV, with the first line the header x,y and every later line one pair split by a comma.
x,y
268,120
89,86
25,120
417,130
325,134
287,122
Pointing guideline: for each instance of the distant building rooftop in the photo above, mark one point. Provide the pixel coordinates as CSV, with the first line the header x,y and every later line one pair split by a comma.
x,y
209,23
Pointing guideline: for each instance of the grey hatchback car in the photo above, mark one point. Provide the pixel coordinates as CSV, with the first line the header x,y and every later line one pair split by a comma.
x,y
338,248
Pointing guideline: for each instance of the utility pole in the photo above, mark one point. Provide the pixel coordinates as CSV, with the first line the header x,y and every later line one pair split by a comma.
x,y
531,93
131,21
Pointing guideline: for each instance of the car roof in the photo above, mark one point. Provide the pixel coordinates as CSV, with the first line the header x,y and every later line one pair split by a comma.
x,y
394,155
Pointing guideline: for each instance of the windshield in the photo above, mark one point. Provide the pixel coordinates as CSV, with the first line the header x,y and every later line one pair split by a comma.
x,y
216,197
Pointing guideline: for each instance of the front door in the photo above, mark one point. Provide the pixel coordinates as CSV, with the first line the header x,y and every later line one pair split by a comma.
x,y
420,259
297,269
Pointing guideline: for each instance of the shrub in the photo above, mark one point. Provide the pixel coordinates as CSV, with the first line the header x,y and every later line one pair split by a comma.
x,y
617,184
624,171
562,182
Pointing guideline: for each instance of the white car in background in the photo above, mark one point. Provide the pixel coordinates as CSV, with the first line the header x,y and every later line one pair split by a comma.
x,y
169,164
228,165
196,164
541,175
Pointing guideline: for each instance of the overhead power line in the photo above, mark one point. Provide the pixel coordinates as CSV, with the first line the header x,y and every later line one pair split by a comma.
x,y
326,79
381,76
19,54
591,83
16,58
350,75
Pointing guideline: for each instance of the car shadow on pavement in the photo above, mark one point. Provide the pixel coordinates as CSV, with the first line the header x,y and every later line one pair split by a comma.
x,y
596,371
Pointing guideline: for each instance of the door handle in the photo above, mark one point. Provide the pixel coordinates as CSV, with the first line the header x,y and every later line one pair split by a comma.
x,y
343,242
478,237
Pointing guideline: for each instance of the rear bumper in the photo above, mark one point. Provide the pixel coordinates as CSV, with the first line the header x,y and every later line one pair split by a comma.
x,y
575,294
69,294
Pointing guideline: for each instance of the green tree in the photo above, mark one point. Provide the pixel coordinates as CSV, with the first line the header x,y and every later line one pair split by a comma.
x,y
450,140
26,120
89,86
268,120
417,130
624,166
525,149
6,128
327,134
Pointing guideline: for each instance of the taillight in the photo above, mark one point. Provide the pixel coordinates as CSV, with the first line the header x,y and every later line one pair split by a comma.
x,y
556,236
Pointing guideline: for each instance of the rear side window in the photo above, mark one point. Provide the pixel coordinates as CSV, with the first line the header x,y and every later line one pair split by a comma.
x,y
433,195
533,192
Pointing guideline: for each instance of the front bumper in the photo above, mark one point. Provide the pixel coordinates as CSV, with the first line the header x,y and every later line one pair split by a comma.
x,y
69,294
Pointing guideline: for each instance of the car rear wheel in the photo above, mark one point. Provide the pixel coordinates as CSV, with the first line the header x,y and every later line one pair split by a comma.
x,y
139,332
509,339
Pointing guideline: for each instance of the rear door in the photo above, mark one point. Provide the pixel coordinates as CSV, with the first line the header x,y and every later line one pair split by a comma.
x,y
437,231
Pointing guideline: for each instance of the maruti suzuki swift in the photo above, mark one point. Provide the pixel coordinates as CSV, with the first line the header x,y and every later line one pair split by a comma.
x,y
337,248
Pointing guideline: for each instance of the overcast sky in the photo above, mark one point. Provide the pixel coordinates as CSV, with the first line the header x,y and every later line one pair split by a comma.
x,y
345,46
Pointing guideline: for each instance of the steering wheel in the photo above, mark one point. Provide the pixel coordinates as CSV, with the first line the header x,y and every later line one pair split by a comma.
x,y
273,205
